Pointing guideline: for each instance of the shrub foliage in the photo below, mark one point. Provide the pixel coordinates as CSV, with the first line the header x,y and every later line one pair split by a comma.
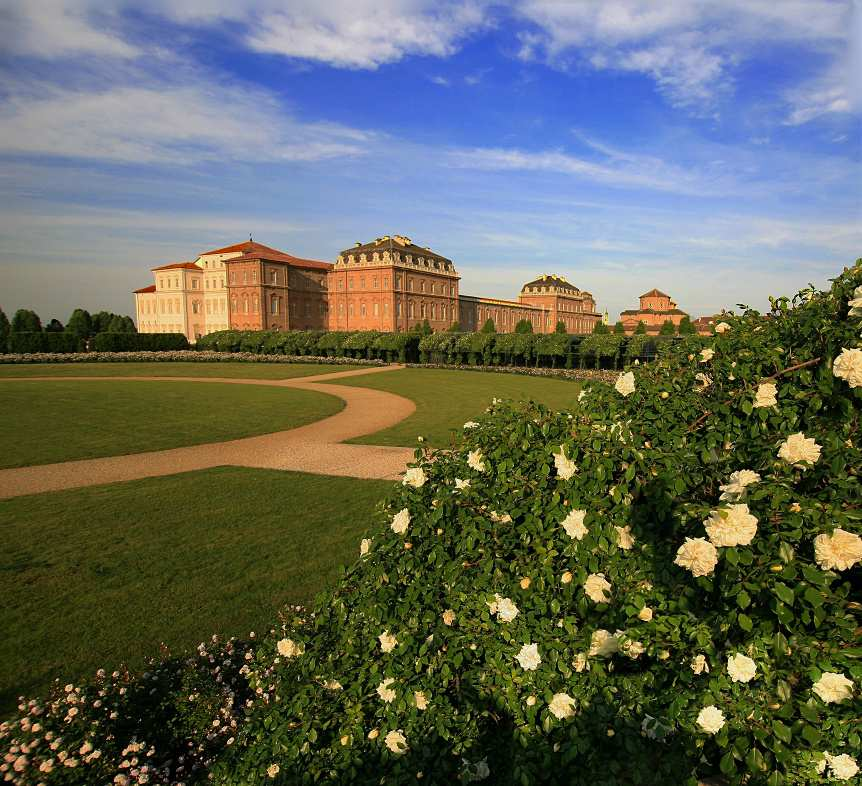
x,y
660,586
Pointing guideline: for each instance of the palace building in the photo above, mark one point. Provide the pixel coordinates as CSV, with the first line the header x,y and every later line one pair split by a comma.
x,y
656,308
389,284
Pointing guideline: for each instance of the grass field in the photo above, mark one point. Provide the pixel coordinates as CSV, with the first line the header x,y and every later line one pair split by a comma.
x,y
191,369
446,399
65,420
100,576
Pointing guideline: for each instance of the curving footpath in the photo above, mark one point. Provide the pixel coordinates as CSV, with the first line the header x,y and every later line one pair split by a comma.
x,y
316,447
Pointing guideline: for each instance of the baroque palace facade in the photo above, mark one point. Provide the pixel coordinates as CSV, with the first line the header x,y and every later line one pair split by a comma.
x,y
389,284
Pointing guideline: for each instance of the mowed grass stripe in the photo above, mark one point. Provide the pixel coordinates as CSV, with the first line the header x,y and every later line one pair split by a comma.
x,y
61,420
100,576
172,369
445,399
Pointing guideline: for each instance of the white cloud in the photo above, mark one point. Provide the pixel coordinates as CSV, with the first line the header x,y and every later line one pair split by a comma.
x,y
688,47
440,80
58,28
166,124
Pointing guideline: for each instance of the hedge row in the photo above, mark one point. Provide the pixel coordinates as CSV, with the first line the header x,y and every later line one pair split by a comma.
x,y
29,343
554,350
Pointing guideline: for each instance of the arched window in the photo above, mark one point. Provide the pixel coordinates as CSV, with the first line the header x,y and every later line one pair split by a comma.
x,y
433,311
376,310
273,276
350,310
442,312
422,286
362,309
411,311
274,304
423,311
245,305
341,308
255,304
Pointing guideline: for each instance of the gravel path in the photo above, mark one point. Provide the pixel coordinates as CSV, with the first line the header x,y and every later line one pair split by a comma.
x,y
316,447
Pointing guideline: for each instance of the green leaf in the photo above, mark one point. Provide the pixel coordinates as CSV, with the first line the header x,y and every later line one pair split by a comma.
x,y
745,622
784,593
781,731
743,600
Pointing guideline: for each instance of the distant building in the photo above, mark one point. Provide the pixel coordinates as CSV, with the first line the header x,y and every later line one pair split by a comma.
x,y
389,284
656,308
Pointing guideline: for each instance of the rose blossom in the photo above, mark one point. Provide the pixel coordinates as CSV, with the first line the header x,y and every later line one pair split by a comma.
x,y
385,692
565,467
364,546
528,657
474,461
448,616
573,524
798,450
699,664
625,384
731,526
400,521
595,587
839,551
625,539
833,688
697,555
503,608
420,700
562,706
722,327
273,770
289,648
710,719
766,395
741,668
396,742
848,365
706,355
603,643
855,303
645,614
415,476
387,641
842,767
737,483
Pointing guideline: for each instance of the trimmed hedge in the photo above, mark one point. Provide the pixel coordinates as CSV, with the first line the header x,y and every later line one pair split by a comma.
x,y
28,343
138,342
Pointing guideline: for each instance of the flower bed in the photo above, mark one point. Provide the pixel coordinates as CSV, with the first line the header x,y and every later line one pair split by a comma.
x,y
661,587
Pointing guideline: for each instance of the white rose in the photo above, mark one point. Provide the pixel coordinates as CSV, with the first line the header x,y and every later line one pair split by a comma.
x,y
798,450
737,483
731,526
471,424
697,555
504,518
273,770
633,649
595,587
701,382
839,551
722,327
573,524
396,742
833,688
288,648
766,395
364,546
448,617
387,641
842,767
699,664
603,643
400,521
460,485
625,384
528,657
710,719
741,668
625,539
385,692
581,662
420,700
415,476
855,303
562,706
503,608
565,467
848,365
706,355
474,460
645,614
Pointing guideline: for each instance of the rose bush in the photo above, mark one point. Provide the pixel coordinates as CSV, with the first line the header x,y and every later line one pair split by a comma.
x,y
660,586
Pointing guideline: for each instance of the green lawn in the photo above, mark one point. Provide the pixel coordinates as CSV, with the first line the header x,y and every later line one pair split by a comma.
x,y
446,399
64,420
189,369
100,576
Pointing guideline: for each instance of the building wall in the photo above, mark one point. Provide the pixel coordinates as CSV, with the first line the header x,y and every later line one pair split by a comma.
x,y
506,314
216,315
390,296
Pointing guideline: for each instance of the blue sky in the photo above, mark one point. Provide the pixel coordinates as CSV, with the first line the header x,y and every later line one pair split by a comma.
x,y
710,148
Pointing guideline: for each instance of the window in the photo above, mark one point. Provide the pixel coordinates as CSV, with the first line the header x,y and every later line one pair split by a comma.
x,y
232,277
376,310
412,312
362,309
245,305
341,308
362,282
195,306
442,312
308,309
176,283
340,284
194,283
273,277
386,309
274,304
433,311
244,277
422,286
350,310
253,276
255,304
374,282
209,307
423,311
410,284
398,308
350,283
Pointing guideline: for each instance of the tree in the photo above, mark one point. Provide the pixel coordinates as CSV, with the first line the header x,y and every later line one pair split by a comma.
x,y
686,328
524,326
489,326
54,326
561,327
100,322
4,330
80,324
619,328
116,325
667,329
640,330
455,327
601,329
129,325
26,321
